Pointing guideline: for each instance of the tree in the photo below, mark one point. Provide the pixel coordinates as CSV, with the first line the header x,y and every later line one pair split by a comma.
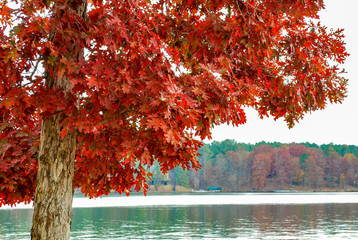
x,y
282,167
157,176
115,85
296,150
238,172
332,168
352,172
314,168
223,147
294,170
260,170
197,177
210,176
260,165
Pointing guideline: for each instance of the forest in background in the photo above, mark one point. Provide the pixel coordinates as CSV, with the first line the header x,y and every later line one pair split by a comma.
x,y
266,166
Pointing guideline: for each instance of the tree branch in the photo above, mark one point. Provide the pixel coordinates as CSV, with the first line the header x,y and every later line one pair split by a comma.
x,y
32,74
35,69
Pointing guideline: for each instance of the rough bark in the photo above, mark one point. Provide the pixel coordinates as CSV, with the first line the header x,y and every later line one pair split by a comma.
x,y
54,190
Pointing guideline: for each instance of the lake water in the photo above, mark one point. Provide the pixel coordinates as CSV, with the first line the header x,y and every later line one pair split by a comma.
x,y
203,216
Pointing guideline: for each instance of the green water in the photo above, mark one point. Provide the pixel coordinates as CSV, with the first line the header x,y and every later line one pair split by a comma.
x,y
309,221
335,221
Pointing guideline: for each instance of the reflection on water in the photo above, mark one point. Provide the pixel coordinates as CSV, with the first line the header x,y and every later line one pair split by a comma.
x,y
335,221
309,221
15,224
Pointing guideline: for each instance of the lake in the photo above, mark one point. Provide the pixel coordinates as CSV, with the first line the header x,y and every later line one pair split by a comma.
x,y
203,216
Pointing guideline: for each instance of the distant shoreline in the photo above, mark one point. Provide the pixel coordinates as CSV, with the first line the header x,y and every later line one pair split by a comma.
x,y
168,189
215,199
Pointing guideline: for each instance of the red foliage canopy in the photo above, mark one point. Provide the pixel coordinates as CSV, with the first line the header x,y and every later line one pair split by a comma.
x,y
153,78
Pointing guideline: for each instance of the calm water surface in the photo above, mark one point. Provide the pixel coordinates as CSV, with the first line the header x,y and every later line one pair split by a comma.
x,y
244,221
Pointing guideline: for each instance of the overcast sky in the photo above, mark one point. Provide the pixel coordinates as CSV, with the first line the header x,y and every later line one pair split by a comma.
x,y
337,123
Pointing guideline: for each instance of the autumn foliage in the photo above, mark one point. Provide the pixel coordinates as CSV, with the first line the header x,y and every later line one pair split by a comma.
x,y
153,78
275,166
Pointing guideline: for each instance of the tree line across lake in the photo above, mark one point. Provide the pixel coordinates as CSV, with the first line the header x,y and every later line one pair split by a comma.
x,y
265,166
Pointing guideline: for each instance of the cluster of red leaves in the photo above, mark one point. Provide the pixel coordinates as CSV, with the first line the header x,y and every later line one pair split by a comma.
x,y
155,76
18,165
19,135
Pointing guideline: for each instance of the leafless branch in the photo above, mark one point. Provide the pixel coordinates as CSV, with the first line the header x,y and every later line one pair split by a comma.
x,y
28,83
35,69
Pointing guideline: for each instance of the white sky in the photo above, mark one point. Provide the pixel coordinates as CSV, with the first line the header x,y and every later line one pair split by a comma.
x,y
337,123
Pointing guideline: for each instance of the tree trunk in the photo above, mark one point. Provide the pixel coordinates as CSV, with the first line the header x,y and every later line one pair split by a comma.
x,y
54,191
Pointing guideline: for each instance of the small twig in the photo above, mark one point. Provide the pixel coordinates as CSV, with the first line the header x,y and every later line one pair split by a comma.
x,y
35,69
30,82
238,7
